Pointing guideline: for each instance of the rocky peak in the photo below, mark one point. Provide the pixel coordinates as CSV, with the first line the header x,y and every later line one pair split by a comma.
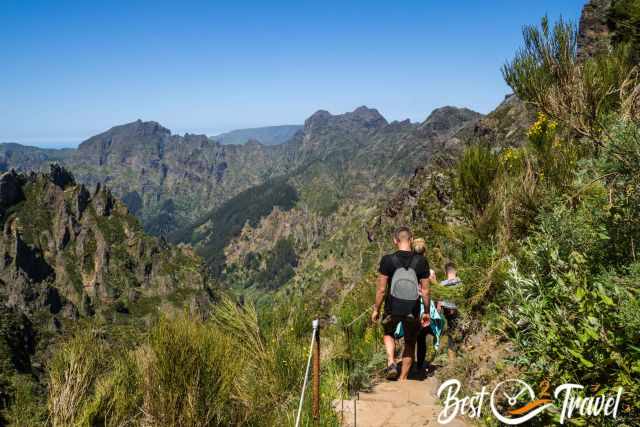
x,y
140,128
60,176
125,143
362,118
594,34
447,120
370,117
59,239
316,120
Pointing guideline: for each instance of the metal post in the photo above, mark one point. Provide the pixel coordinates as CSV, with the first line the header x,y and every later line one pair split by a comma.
x,y
316,375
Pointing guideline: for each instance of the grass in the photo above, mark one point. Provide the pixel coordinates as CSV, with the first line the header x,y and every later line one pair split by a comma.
x,y
229,370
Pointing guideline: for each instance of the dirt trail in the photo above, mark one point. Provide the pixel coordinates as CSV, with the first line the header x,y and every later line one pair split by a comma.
x,y
410,403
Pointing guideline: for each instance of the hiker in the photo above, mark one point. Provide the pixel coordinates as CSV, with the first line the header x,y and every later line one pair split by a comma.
x,y
450,310
421,343
403,278
434,326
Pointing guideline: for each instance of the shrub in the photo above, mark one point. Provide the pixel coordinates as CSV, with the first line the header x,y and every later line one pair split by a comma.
x,y
188,372
546,73
28,408
476,171
625,17
228,370
73,374
618,169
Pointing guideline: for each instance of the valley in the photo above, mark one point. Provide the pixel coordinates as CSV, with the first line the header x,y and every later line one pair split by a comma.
x,y
149,278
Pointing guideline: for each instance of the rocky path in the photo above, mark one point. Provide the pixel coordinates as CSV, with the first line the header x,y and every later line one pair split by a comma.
x,y
410,403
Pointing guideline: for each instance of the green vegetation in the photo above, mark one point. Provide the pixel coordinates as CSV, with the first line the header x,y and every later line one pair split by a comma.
x,y
229,370
624,17
267,272
547,74
476,172
216,229
544,235
564,291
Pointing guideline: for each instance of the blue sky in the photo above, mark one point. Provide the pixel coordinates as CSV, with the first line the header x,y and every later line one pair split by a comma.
x,y
70,69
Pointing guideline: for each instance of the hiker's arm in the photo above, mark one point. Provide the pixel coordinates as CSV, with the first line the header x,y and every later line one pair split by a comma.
x,y
381,288
432,277
426,294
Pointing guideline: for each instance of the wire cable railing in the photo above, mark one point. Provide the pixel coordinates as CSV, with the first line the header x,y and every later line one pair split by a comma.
x,y
313,363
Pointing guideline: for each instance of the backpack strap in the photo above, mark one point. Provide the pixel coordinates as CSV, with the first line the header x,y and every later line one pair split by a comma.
x,y
415,259
397,263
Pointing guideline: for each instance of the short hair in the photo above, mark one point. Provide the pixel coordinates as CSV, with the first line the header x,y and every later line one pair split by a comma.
x,y
449,266
403,230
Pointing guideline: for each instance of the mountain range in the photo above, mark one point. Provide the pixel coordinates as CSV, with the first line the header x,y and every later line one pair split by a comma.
x,y
171,181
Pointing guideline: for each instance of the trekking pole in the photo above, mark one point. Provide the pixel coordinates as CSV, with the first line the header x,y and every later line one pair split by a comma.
x,y
306,372
316,376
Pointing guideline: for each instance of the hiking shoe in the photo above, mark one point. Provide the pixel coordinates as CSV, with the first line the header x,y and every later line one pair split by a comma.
x,y
392,372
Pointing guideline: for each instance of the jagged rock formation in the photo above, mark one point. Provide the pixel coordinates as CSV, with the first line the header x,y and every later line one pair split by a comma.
x,y
172,179
594,33
505,126
70,251
604,24
304,227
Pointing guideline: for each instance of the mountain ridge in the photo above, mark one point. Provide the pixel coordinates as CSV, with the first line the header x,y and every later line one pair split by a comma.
x,y
267,135
171,180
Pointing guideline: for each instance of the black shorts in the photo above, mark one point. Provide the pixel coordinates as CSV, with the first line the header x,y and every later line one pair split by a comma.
x,y
410,325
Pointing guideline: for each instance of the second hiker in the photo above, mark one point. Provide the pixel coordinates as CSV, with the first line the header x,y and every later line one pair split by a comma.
x,y
403,278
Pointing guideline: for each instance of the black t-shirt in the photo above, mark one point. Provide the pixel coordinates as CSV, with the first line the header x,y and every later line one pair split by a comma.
x,y
387,267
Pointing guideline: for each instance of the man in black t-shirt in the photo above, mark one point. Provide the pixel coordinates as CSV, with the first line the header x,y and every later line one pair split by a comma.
x,y
388,265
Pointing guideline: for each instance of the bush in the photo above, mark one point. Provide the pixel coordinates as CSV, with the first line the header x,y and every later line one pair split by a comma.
x,y
188,373
618,168
73,375
476,171
546,73
28,408
625,17
228,370
571,289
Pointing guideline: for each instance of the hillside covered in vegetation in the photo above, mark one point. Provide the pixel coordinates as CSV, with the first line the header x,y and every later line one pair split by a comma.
x,y
537,203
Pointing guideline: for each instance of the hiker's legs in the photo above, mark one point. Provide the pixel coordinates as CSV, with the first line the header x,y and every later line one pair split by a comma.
x,y
407,359
421,350
410,336
390,347
389,325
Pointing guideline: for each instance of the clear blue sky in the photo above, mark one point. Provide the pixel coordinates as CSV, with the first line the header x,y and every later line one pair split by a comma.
x,y
70,69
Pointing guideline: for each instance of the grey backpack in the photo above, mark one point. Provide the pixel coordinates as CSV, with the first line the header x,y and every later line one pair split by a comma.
x,y
404,290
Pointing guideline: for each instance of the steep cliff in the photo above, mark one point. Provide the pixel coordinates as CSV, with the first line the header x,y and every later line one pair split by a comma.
x,y
70,255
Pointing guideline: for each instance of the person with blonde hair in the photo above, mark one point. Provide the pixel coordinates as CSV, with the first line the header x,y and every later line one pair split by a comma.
x,y
402,280
420,247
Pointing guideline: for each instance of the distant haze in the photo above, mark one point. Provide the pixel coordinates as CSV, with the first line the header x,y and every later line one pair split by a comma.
x,y
66,142
77,68
269,135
